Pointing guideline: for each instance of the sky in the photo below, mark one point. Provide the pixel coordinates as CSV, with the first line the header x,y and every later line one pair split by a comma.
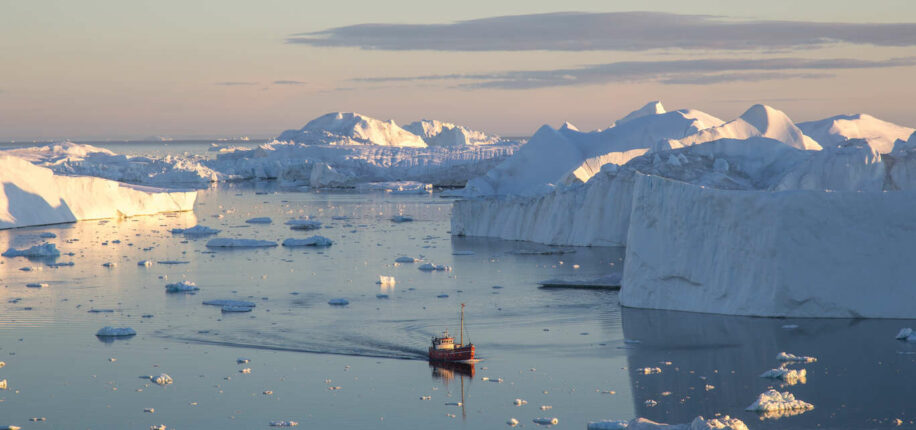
x,y
105,69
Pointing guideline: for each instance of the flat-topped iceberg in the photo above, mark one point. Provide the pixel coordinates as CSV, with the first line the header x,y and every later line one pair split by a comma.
x,y
317,241
32,195
226,242
197,230
303,224
109,331
37,251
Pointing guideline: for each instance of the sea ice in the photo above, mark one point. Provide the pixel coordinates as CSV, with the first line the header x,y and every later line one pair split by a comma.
x,y
109,331
197,230
181,287
512,422
37,251
283,424
225,302
401,218
546,421
906,334
162,379
3,384
405,259
430,267
338,302
303,224
259,220
519,402
387,281
319,241
786,357
774,401
225,242
231,309
36,284
790,376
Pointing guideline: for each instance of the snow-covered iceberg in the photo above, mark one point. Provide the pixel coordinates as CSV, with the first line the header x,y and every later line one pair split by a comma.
x,y
33,195
348,128
838,130
439,133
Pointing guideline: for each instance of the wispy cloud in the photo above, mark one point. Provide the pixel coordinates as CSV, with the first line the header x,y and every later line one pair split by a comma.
x,y
235,83
689,72
289,83
618,31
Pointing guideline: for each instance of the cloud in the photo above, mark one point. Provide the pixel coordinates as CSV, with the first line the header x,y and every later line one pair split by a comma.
x,y
693,72
235,84
289,83
616,31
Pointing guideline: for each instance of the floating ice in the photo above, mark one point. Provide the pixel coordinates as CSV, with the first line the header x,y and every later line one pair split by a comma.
x,y
338,302
109,264
246,371
162,379
303,224
607,425
397,187
181,287
791,376
611,281
462,252
512,422
405,259
650,403
699,423
37,251
3,384
259,220
519,402
381,296
283,424
109,331
401,218
225,242
649,370
36,285
231,309
197,230
906,334
145,263
430,267
319,241
226,302
546,421
387,281
774,401
786,357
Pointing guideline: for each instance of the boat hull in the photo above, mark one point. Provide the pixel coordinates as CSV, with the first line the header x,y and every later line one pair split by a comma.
x,y
464,353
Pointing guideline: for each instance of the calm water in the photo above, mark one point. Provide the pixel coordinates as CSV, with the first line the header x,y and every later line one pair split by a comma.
x,y
552,347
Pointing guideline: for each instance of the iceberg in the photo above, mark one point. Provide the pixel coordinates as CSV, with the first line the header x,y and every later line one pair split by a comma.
x,y
338,302
347,128
225,242
758,121
319,241
181,287
197,230
838,130
439,133
37,251
109,331
33,195
699,423
303,224
259,220
775,401
232,303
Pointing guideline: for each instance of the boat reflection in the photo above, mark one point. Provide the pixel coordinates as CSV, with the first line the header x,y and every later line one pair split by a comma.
x,y
448,371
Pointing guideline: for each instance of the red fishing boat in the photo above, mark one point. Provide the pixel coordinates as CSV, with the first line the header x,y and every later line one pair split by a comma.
x,y
444,348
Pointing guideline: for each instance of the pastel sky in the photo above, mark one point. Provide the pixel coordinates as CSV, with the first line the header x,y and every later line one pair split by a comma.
x,y
97,69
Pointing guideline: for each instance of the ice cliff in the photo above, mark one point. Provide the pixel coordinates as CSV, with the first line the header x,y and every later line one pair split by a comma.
x,y
33,195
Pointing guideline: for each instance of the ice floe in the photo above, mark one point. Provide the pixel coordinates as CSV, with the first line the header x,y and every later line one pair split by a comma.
x,y
303,224
430,267
37,251
109,331
181,287
774,401
225,242
319,241
338,302
787,357
546,421
283,423
790,376
906,334
259,220
405,259
197,230
698,423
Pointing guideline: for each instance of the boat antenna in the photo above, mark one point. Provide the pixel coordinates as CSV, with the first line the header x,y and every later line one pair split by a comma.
x,y
461,340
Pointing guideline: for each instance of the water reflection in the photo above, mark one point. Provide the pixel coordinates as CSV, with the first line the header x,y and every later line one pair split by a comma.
x,y
447,371
712,364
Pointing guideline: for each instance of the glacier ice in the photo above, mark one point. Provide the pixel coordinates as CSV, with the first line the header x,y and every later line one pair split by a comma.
x,y
37,251
109,331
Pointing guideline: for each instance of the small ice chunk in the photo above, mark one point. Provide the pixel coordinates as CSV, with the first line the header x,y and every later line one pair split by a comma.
x,y
36,284
401,218
231,309
546,421
406,259
546,407
109,264
181,287
157,427
3,384
388,281
607,425
453,403
225,242
426,397
47,235
309,241
283,424
512,422
650,403
303,224
145,263
904,333
259,220
519,402
462,252
649,370
430,267
381,296
786,357
774,401
338,302
162,379
242,360
37,251
791,376
197,230
109,331
224,302
246,371
149,410
2,364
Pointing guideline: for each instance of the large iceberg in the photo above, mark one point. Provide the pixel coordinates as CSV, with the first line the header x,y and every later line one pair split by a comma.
x,y
33,195
838,130
438,133
348,128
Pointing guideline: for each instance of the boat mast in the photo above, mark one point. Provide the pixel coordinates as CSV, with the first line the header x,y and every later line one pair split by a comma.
x,y
461,340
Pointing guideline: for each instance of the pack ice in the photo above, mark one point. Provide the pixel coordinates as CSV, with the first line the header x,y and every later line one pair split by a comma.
x,y
33,195
749,217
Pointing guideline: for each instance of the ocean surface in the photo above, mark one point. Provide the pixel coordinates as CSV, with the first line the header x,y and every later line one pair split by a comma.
x,y
574,352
